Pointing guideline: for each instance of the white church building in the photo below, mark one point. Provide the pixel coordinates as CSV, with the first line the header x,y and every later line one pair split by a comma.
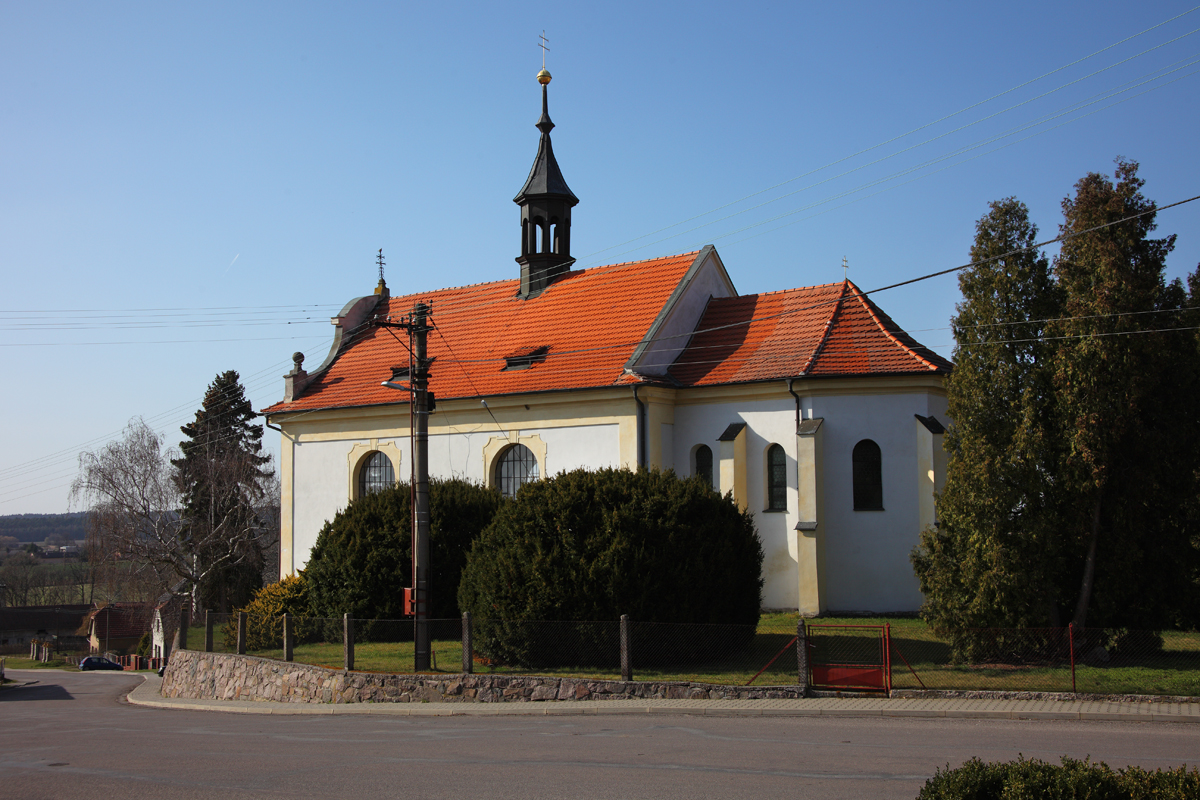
x,y
810,405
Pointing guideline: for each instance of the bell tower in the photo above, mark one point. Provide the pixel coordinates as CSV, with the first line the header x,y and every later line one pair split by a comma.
x,y
546,202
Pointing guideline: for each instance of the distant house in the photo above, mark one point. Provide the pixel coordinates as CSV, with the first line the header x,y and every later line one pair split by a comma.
x,y
20,625
165,622
117,627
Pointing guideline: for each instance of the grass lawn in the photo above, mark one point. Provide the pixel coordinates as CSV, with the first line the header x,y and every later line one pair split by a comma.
x,y
29,663
1173,671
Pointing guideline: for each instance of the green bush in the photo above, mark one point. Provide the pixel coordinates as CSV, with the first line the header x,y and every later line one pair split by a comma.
x,y
595,545
362,560
1038,780
265,614
144,644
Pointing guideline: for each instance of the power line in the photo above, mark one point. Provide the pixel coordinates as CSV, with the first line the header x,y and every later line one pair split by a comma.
x,y
914,130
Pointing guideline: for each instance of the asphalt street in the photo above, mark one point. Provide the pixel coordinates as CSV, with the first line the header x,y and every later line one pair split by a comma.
x,y
72,734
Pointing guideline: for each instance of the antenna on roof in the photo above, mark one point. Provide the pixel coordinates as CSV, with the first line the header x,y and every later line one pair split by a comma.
x,y
845,270
381,289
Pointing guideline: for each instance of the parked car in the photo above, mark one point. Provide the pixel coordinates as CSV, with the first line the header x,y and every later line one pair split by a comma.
x,y
98,662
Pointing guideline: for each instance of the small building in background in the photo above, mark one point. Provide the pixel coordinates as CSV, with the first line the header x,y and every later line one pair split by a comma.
x,y
58,625
118,627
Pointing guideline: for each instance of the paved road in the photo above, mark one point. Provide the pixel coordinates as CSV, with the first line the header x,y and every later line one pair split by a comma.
x,y
71,735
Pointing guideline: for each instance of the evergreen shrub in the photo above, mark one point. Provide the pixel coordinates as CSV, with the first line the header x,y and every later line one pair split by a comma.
x,y
1031,778
593,545
362,561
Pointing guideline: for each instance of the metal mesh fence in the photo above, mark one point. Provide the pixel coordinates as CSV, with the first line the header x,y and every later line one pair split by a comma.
x,y
1093,660
1086,660
548,646
728,654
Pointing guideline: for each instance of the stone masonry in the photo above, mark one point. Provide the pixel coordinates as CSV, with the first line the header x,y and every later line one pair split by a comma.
x,y
225,676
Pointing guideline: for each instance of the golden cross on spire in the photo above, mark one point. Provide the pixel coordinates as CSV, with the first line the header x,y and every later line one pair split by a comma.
x,y
543,44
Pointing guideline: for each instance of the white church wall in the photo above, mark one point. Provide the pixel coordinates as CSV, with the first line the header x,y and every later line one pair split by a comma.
x,y
867,564
767,422
322,481
569,448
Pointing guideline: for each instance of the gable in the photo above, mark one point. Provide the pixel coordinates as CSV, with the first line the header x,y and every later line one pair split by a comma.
x,y
676,322
832,330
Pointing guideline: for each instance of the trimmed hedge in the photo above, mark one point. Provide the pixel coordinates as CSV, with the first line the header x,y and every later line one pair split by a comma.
x,y
590,545
1038,780
362,561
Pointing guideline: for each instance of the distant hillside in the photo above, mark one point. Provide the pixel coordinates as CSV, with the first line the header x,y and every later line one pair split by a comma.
x,y
37,527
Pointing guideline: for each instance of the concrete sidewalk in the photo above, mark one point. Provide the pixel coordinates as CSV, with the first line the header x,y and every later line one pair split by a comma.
x,y
148,694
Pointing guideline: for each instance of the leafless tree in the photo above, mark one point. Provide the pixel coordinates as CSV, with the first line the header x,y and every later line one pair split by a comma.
x,y
24,576
130,488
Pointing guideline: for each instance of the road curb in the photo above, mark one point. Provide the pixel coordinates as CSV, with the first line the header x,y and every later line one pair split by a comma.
x,y
147,695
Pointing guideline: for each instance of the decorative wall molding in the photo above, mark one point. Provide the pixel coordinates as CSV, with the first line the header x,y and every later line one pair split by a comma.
x,y
358,454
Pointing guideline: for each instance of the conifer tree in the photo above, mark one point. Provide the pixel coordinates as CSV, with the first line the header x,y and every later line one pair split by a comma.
x,y
992,557
1126,386
221,479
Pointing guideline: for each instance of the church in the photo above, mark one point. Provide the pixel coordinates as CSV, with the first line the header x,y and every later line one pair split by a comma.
x,y
810,405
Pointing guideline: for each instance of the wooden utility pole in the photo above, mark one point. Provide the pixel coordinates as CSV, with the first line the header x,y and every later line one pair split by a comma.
x,y
421,405
420,459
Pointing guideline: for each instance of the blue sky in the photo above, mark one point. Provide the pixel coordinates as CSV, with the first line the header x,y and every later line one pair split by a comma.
x,y
185,190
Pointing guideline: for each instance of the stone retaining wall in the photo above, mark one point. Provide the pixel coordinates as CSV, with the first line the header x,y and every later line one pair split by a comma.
x,y
224,676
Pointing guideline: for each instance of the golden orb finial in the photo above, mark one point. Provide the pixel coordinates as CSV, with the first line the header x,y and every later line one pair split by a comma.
x,y
543,77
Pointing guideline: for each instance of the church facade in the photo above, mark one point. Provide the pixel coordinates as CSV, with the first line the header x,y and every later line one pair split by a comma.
x,y
810,405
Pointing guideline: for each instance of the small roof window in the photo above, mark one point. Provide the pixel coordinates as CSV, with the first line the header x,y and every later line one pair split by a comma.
x,y
526,360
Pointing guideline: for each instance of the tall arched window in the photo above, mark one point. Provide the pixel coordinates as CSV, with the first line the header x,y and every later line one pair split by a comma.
x,y
517,467
776,479
376,474
868,476
704,465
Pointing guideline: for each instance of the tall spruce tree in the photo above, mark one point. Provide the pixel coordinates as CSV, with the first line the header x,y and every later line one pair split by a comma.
x,y
991,560
1126,387
221,480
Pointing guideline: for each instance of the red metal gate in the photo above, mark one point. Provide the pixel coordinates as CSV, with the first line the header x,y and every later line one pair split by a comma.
x,y
852,657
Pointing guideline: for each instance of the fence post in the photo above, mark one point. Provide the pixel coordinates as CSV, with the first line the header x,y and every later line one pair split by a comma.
x,y
468,646
348,641
208,631
287,636
626,656
1071,645
802,656
887,655
241,644
185,619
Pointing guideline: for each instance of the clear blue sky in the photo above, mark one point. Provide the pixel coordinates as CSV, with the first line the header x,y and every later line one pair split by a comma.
x,y
221,159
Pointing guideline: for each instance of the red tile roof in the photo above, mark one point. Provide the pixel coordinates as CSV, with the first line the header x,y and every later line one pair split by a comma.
x,y
127,620
829,330
590,321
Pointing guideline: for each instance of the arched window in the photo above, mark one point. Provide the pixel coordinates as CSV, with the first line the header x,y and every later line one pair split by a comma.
x,y
376,474
868,477
517,467
776,479
704,465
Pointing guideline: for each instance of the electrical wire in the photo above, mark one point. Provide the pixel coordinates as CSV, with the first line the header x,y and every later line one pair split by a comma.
x,y
350,340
